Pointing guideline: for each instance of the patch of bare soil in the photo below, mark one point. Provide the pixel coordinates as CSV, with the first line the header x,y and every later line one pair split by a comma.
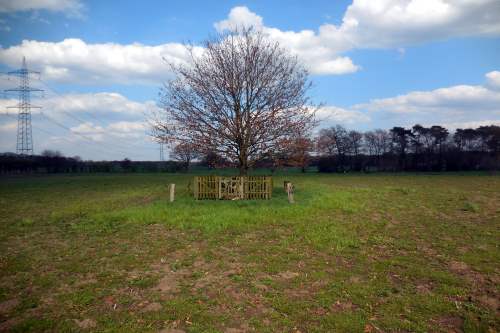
x,y
289,275
424,288
86,323
486,292
169,283
236,330
8,305
451,324
7,326
152,307
343,306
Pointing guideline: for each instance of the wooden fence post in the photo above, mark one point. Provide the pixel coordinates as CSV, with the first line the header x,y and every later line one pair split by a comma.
x,y
241,189
172,192
289,190
196,187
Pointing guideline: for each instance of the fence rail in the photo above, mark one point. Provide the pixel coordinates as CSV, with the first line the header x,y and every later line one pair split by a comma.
x,y
232,188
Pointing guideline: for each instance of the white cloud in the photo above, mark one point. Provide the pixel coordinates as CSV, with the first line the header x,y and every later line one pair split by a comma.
x,y
98,104
317,56
73,60
71,7
457,100
378,24
120,129
89,130
461,105
365,24
127,126
493,79
101,106
470,124
332,114
238,17
396,23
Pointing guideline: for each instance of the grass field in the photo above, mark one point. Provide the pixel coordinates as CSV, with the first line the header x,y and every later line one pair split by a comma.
x,y
356,253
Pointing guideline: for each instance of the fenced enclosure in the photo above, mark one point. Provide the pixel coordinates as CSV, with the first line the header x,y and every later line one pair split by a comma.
x,y
232,188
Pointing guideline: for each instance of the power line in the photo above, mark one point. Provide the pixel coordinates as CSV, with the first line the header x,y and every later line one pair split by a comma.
x,y
60,95
89,139
51,133
100,130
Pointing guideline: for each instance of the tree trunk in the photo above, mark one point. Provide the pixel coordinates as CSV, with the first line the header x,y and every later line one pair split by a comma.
x,y
243,168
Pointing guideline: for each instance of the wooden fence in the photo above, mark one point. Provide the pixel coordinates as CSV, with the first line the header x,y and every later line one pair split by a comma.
x,y
232,188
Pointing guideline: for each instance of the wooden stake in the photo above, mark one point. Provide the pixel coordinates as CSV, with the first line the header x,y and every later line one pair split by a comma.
x,y
289,190
285,185
172,192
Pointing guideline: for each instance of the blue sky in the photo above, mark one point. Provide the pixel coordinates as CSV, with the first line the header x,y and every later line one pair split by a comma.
x,y
374,64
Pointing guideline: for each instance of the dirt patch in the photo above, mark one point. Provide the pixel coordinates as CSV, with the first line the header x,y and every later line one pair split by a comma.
x,y
7,326
354,279
152,307
206,280
171,330
451,323
288,275
343,306
7,306
169,283
424,288
459,267
485,290
235,330
490,302
86,323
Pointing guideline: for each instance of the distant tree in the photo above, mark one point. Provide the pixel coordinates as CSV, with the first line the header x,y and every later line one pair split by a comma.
x,y
185,153
400,140
297,151
378,142
355,142
212,160
239,98
467,139
490,136
51,153
126,164
439,136
334,141
421,139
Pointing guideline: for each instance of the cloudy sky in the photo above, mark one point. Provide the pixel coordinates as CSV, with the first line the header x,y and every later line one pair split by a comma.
x,y
374,63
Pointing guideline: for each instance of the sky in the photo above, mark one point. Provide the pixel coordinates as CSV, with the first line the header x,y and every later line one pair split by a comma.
x,y
373,63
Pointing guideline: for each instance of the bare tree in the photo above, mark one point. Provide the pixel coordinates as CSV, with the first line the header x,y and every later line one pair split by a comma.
x,y
334,141
355,141
297,151
185,153
378,143
240,98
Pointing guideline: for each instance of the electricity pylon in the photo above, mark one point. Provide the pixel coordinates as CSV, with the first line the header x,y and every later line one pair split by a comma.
x,y
24,144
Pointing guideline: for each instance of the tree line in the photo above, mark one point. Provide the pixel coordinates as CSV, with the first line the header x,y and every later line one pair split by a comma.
x,y
50,161
418,148
334,149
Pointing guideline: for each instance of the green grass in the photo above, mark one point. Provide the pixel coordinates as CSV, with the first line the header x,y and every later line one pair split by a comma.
x,y
381,252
